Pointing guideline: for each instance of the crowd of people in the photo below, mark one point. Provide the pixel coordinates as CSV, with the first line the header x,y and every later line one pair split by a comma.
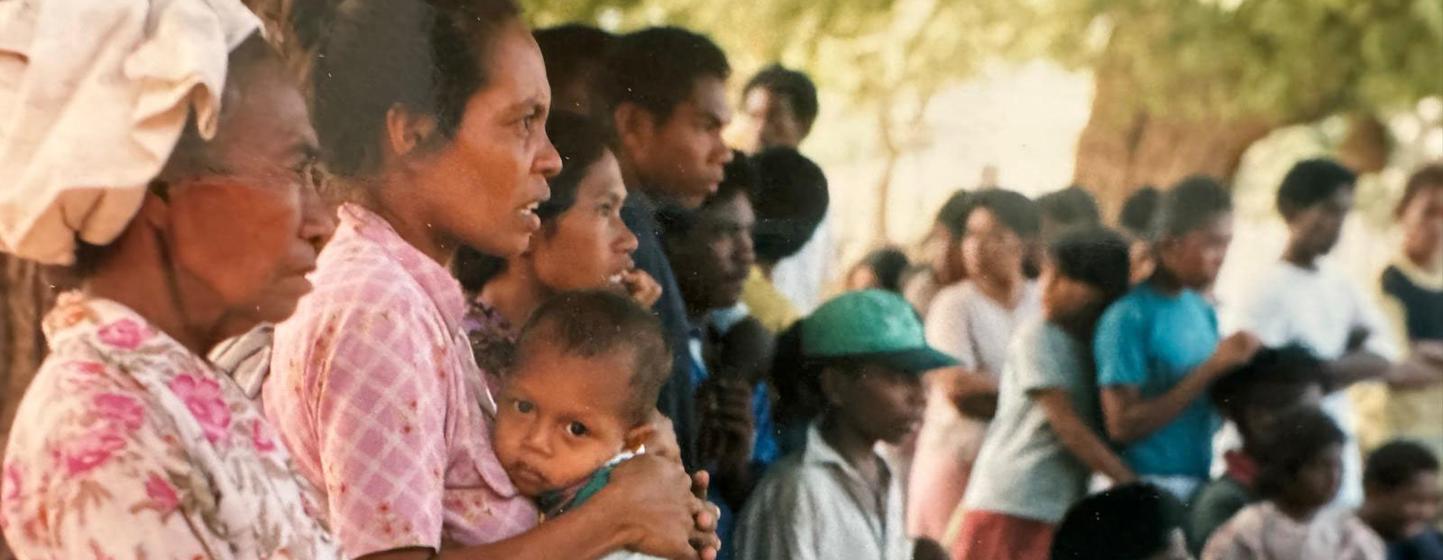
x,y
545,310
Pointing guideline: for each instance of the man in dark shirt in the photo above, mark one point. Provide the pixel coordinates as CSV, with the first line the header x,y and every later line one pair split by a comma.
x,y
664,95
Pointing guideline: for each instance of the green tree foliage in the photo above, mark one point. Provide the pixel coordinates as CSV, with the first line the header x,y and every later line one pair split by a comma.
x,y
1272,57
1290,59
861,51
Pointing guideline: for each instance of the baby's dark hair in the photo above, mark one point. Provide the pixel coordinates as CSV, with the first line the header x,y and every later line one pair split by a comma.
x,y
1191,205
1301,434
1129,522
1396,463
1276,378
594,323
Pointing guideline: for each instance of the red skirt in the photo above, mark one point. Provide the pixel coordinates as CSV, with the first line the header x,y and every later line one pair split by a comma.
x,y
987,535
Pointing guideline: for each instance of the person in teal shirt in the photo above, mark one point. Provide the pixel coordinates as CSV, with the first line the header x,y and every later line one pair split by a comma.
x,y
1158,349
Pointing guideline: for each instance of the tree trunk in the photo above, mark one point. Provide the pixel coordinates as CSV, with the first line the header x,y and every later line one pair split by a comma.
x,y
1125,147
890,154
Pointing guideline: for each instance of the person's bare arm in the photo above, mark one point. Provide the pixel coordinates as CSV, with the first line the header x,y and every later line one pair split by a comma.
x,y
727,435
1130,417
1422,369
579,534
648,506
1414,372
973,393
1355,366
1080,440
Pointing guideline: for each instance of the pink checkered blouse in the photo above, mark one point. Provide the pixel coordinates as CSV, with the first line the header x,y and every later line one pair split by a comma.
x,y
374,389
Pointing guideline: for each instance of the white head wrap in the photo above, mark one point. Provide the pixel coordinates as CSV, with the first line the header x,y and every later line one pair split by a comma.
x,y
94,95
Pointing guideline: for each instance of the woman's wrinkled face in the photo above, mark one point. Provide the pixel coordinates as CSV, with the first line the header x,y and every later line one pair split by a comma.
x,y
246,229
588,246
482,186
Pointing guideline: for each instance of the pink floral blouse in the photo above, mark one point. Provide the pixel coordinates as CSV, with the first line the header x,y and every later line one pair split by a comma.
x,y
375,391
127,445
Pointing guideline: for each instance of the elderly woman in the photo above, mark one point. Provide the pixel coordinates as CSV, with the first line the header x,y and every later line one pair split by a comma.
x,y
432,115
131,445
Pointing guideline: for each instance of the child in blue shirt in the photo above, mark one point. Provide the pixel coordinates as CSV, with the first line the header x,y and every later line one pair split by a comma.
x,y
1158,348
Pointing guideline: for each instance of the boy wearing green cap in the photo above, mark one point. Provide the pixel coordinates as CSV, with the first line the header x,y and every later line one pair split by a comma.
x,y
864,353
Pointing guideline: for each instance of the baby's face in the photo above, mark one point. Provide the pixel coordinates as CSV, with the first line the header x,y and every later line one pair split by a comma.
x,y
561,417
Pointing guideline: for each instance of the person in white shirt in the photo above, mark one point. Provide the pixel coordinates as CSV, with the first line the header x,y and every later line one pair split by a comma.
x,y
863,354
1302,300
973,321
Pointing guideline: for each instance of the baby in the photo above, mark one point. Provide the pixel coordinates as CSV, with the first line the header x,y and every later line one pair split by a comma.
x,y
578,397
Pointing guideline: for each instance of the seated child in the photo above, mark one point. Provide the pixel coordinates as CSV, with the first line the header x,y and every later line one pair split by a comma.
x,y
1252,397
578,397
1302,469
1137,521
1046,438
1400,481
836,497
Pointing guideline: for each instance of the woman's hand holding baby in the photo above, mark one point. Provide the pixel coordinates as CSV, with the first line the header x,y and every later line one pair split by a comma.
x,y
662,517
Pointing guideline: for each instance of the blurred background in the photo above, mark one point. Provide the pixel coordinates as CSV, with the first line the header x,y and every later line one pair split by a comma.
x,y
924,97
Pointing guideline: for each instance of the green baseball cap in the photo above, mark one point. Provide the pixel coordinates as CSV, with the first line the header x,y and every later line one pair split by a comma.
x,y
874,325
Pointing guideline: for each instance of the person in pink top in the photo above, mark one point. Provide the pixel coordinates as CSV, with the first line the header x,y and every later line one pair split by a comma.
x,y
432,117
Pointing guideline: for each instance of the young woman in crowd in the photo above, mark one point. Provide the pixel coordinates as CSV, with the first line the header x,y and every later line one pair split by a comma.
x,y
1157,348
1412,288
942,254
974,322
